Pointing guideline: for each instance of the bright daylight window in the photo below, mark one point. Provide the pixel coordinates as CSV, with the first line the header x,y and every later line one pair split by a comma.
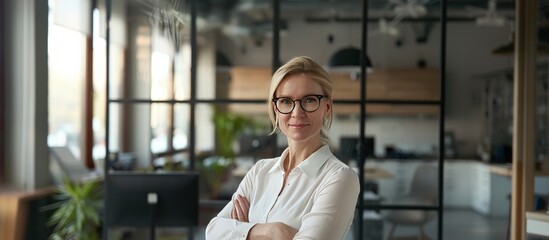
x,y
67,38
66,53
160,90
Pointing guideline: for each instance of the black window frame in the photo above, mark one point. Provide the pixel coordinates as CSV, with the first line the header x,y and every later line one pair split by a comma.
x,y
362,102
2,90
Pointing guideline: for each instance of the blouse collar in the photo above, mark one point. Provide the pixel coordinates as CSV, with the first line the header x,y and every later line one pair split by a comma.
x,y
311,165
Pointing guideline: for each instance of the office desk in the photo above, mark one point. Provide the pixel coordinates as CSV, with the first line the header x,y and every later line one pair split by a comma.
x,y
376,173
537,223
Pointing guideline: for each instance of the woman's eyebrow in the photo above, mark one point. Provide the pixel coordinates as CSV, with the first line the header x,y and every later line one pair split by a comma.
x,y
305,95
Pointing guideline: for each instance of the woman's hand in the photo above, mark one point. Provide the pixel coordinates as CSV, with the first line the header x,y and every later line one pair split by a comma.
x,y
241,207
272,231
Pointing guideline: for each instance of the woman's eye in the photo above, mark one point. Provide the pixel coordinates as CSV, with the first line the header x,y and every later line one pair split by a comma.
x,y
285,101
308,100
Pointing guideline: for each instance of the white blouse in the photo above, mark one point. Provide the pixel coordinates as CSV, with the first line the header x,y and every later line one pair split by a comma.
x,y
319,198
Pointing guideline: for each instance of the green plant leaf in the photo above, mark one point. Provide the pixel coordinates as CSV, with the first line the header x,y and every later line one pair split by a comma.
x,y
76,215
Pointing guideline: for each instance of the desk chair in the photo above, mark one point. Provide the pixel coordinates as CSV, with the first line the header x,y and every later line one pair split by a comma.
x,y
423,191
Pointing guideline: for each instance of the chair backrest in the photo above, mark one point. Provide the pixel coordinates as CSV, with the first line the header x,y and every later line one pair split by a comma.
x,y
425,183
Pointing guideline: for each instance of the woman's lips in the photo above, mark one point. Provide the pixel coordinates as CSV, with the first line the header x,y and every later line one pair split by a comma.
x,y
298,125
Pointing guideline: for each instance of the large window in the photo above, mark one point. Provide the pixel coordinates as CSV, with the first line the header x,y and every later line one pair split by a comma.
x,y
67,75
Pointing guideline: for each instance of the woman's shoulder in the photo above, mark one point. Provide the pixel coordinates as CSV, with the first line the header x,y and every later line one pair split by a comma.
x,y
265,164
336,166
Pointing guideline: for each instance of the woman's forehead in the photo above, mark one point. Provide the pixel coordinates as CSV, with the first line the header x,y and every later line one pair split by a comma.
x,y
298,84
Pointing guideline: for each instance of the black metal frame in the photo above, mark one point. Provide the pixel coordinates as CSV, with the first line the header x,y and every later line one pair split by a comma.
x,y
363,105
2,89
107,165
362,102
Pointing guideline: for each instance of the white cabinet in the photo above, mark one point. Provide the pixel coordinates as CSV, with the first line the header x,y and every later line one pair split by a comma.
x,y
467,184
457,182
490,191
480,187
391,189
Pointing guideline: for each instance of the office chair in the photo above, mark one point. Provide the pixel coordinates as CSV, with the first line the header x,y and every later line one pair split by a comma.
x,y
423,191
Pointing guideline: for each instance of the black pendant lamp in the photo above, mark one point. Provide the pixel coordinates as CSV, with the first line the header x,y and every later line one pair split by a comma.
x,y
221,60
347,57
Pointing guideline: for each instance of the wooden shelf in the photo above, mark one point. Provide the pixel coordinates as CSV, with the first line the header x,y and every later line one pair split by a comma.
x,y
382,84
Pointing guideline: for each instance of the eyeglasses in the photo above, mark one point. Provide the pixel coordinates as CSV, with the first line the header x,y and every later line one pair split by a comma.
x,y
309,103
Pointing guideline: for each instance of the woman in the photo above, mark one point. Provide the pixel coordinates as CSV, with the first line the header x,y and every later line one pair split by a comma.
x,y
306,193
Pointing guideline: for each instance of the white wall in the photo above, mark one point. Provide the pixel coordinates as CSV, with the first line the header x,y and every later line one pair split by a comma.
x,y
468,53
26,94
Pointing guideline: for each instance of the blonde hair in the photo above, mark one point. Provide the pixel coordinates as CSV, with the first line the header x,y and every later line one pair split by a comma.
x,y
302,65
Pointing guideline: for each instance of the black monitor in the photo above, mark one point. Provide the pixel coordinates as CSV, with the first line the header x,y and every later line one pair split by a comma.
x,y
348,147
256,145
128,195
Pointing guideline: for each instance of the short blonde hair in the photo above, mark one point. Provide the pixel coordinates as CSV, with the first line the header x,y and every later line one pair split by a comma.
x,y
302,65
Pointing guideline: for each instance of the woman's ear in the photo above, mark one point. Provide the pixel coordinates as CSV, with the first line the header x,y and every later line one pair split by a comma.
x,y
329,105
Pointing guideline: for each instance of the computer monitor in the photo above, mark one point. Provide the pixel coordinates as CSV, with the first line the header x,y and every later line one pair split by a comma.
x,y
348,146
256,145
129,194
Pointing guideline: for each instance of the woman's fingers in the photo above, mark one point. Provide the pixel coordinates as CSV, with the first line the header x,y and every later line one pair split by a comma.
x,y
233,213
240,209
244,207
245,204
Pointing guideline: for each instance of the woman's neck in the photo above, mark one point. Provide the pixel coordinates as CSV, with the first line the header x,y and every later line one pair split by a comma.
x,y
298,152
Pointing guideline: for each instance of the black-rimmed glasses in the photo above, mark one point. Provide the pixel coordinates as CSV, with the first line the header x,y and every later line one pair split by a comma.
x,y
309,103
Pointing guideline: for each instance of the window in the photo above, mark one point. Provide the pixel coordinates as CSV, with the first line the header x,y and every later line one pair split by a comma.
x,y
67,73
76,68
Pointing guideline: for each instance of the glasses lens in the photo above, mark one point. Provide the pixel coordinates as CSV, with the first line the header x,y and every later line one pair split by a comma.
x,y
310,103
284,105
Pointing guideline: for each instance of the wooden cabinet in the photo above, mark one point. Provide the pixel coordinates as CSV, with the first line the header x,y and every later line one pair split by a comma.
x,y
382,84
249,83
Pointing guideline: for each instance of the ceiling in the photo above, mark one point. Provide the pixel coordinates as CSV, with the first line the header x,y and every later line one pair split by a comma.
x,y
294,9
257,15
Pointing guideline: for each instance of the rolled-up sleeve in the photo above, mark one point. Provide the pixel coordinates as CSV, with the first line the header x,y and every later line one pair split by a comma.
x,y
222,226
332,213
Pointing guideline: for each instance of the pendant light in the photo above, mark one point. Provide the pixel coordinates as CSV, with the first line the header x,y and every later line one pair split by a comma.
x,y
348,57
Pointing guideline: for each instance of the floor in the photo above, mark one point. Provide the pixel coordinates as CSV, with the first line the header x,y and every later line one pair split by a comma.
x,y
458,225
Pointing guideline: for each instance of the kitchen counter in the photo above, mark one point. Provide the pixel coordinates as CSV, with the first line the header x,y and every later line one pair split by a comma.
x,y
506,170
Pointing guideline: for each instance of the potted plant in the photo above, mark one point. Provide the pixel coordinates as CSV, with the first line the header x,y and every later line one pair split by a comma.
x,y
77,214
216,168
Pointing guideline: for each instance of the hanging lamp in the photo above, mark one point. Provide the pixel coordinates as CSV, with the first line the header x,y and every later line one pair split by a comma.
x,y
348,57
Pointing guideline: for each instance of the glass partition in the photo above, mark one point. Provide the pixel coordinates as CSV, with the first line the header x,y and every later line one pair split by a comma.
x,y
234,50
229,141
189,87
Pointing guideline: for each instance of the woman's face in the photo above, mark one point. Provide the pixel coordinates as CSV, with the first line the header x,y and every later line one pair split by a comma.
x,y
300,125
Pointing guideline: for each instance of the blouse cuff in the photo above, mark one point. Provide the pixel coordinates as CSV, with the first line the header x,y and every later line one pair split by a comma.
x,y
242,230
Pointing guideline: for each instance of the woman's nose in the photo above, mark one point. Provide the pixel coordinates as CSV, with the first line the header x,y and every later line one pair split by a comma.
x,y
298,110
